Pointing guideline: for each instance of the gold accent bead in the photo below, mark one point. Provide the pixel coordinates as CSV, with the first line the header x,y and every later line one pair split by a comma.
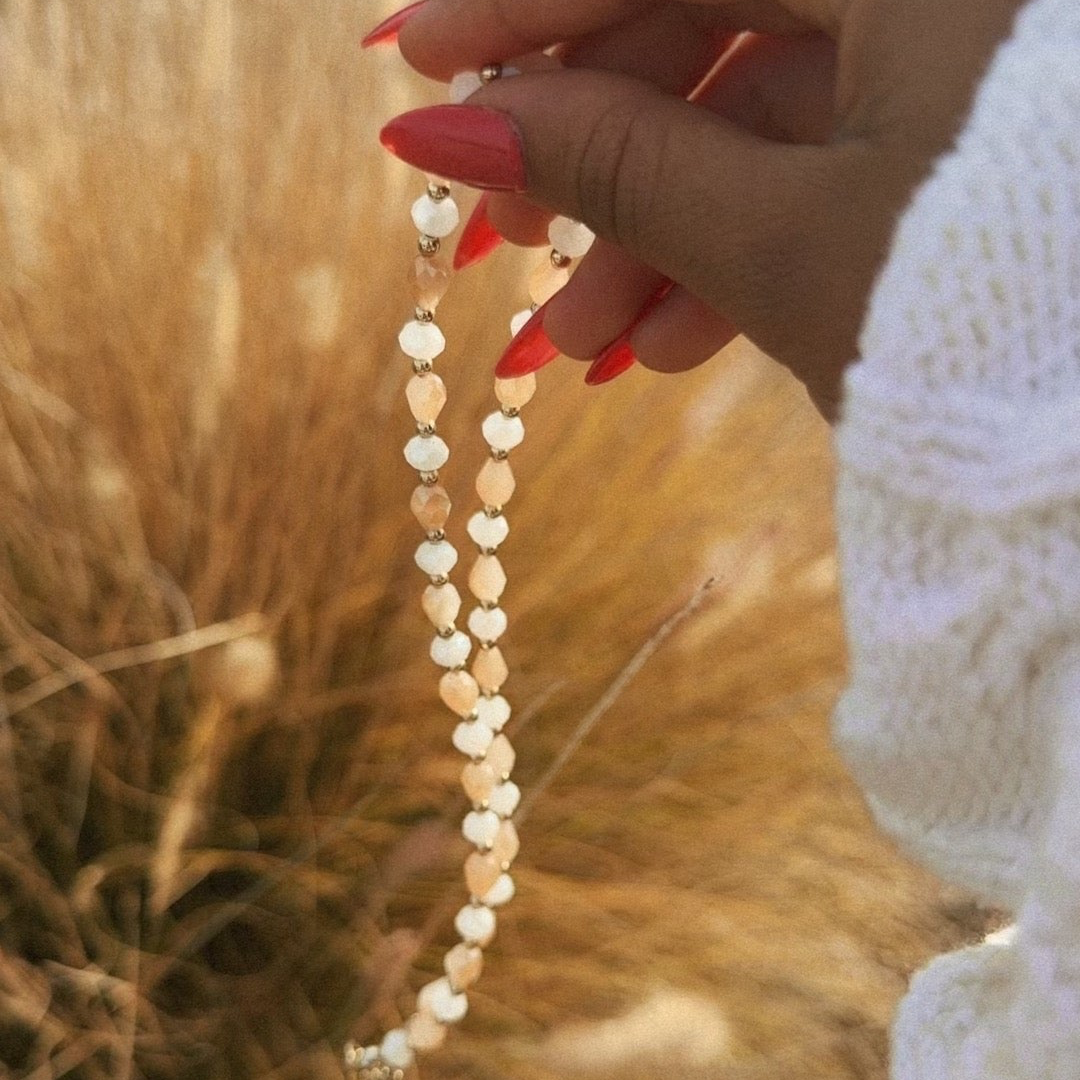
x,y
423,315
490,72
438,192
427,245
559,260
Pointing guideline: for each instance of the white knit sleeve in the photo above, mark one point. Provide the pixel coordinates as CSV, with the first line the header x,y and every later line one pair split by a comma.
x,y
958,512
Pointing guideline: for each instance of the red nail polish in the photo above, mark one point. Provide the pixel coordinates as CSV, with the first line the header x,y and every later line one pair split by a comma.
x,y
478,238
387,31
619,356
612,362
468,143
529,351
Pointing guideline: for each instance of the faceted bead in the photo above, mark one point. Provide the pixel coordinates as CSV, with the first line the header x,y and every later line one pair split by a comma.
x,y
519,320
463,964
459,692
426,453
489,668
487,625
439,999
480,827
503,432
451,652
463,85
441,604
421,341
487,532
506,844
569,237
478,779
426,395
487,579
429,278
425,1032
436,557
546,280
395,1050
515,393
495,482
481,872
493,711
501,756
475,924
431,506
500,893
505,798
435,217
472,738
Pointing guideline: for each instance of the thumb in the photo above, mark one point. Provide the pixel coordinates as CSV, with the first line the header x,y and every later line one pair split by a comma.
x,y
749,225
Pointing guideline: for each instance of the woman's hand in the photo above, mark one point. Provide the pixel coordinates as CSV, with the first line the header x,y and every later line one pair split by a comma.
x,y
770,201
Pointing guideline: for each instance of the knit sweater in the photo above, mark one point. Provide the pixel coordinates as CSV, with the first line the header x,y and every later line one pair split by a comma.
x,y
959,523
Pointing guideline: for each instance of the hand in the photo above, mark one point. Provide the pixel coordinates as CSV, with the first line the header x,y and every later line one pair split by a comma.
x,y
770,201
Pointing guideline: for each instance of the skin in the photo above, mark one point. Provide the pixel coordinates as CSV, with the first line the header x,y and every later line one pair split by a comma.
x,y
770,202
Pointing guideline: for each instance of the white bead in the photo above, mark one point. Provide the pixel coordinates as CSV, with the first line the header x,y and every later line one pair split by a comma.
x,y
395,1050
503,432
421,340
493,711
439,999
451,652
480,827
472,738
501,892
488,532
426,453
435,217
436,557
487,625
463,85
476,925
519,320
569,237
505,798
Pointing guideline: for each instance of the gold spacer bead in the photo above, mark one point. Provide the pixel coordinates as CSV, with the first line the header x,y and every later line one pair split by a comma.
x,y
446,632
439,579
559,260
437,192
493,511
490,72
423,315
422,367
429,479
425,430
427,245
435,535
500,455
510,411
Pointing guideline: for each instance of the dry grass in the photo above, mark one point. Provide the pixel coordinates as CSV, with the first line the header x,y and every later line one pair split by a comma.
x,y
227,803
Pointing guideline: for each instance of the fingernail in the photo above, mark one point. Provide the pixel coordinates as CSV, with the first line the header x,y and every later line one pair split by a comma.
x,y
473,145
478,239
387,31
619,356
529,351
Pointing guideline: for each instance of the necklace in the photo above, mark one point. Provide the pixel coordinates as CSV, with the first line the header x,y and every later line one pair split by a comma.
x,y
473,693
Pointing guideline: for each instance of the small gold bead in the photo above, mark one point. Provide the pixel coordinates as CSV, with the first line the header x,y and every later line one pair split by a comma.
x,y
446,632
428,245
426,430
438,192
559,260
435,535
510,411
429,479
422,367
423,315
490,72
500,455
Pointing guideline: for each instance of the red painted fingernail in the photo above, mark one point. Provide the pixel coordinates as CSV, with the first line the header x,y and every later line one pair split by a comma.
x,y
529,351
387,31
473,145
618,357
478,239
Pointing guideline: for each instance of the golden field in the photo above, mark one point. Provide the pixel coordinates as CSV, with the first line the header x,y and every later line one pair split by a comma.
x,y
228,804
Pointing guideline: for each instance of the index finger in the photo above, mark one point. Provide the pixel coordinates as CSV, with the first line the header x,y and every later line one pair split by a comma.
x,y
447,36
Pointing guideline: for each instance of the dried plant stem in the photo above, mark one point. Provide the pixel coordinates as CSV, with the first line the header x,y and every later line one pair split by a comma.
x,y
206,637
611,695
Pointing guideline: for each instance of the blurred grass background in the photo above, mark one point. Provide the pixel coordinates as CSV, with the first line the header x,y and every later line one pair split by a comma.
x,y
228,805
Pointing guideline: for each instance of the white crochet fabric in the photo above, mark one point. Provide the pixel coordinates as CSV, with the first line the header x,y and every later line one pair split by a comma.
x,y
959,517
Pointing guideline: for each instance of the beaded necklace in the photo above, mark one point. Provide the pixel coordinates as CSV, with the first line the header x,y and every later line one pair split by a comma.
x,y
473,695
